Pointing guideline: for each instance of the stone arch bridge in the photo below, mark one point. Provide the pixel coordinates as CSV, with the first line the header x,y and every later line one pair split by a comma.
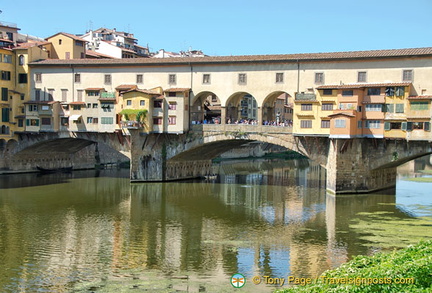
x,y
353,165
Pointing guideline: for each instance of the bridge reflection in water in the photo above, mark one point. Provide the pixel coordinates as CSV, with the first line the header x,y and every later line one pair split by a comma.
x,y
260,218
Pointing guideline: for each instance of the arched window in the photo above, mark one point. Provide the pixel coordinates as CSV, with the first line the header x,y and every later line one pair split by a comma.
x,y
60,41
21,60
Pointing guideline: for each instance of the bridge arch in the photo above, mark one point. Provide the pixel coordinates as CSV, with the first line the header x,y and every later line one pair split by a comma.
x,y
241,106
206,106
277,107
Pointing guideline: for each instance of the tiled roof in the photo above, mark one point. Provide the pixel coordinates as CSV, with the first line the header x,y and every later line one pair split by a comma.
x,y
125,87
41,102
177,90
76,38
95,54
143,91
95,89
342,113
420,97
31,44
362,85
77,103
304,57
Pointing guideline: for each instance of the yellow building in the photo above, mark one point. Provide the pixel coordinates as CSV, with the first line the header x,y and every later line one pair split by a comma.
x,y
7,85
138,109
66,46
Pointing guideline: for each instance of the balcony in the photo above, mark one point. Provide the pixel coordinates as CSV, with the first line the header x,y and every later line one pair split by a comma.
x,y
305,97
131,124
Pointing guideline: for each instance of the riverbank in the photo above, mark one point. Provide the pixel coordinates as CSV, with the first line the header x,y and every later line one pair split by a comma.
x,y
406,270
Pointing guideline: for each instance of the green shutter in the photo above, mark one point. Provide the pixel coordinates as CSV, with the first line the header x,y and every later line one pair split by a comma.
x,y
386,125
37,122
28,122
399,108
404,126
389,108
427,126
409,126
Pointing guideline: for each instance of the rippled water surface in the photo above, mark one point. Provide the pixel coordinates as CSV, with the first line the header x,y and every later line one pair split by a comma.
x,y
88,231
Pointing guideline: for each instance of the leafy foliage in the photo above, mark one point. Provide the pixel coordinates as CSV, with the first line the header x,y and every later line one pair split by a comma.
x,y
379,273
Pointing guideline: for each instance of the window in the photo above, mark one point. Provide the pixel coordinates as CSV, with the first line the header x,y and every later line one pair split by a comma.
x,y
38,77
340,123
361,76
327,92
7,58
172,106
95,120
419,106
242,78
327,107
392,125
32,108
79,43
77,77
389,108
67,56
359,108
107,120
5,114
359,124
373,124
37,94
95,105
399,108
89,120
400,91
142,103
375,91
60,41
157,104
407,75
279,77
206,79
22,78
157,120
76,107
93,93
325,123
107,79
20,123
5,75
50,94
373,108
347,93
21,60
88,105
32,122
346,106
172,79
46,121
319,78
172,120
79,95
172,94
64,95
22,96
139,78
390,91
306,107
4,93
305,123
129,103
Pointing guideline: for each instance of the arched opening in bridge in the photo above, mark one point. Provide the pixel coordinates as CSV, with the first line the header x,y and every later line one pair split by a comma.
x,y
277,109
206,108
241,108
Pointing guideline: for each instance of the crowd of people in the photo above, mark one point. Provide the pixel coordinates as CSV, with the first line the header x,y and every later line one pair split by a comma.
x,y
284,123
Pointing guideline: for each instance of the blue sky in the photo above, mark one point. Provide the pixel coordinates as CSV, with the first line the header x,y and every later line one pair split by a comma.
x,y
237,27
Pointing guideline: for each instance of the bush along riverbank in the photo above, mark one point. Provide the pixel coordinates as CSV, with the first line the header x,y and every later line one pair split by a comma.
x,y
406,270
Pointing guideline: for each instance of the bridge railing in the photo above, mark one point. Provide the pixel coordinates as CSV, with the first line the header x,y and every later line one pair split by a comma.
x,y
244,128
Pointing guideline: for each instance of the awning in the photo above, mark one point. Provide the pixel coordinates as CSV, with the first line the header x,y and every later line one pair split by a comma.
x,y
75,117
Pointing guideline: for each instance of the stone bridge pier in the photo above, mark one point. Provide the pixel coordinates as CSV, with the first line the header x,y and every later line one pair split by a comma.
x,y
366,165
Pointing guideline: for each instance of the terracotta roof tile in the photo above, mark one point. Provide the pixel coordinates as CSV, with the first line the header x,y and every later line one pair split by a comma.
x,y
177,90
125,87
76,38
149,92
77,103
95,89
420,98
303,57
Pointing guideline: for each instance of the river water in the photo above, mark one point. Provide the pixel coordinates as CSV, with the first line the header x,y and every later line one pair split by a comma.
x,y
93,231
